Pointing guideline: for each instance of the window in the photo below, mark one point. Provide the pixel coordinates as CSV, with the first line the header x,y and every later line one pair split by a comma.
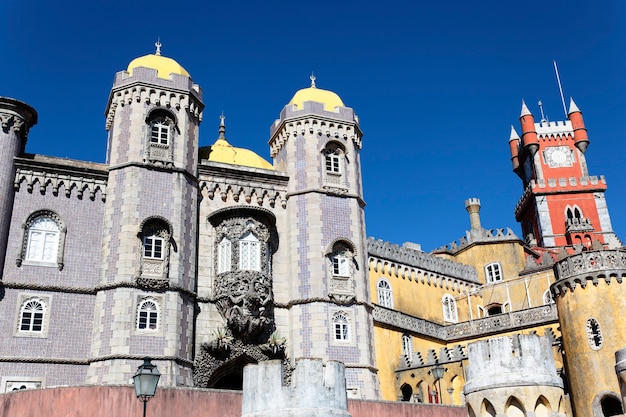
x,y
493,272
594,334
32,315
449,309
340,265
224,253
153,247
341,326
333,159
494,309
385,295
148,315
160,131
547,297
407,348
249,253
43,240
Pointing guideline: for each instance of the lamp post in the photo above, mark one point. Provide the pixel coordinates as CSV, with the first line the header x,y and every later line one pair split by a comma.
x,y
145,381
437,373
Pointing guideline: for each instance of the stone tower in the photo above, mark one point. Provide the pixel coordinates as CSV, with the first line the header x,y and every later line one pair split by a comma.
x,y
561,205
16,119
317,141
144,300
589,293
524,362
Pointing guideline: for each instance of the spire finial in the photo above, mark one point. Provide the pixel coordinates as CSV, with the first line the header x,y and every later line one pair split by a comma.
x,y
222,129
543,117
312,77
158,46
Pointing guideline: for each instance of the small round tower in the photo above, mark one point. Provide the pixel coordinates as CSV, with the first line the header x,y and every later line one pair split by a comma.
x,y
513,376
16,118
589,294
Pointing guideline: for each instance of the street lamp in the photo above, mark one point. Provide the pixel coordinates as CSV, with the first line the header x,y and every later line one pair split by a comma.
x,y
437,372
145,381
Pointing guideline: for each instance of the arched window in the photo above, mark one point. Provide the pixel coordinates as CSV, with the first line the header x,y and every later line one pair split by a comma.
x,y
594,334
493,272
43,239
249,253
547,297
159,143
155,234
449,309
224,254
32,315
494,309
407,348
385,294
341,326
334,156
148,314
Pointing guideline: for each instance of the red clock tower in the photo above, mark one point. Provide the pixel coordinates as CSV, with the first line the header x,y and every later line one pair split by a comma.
x,y
562,205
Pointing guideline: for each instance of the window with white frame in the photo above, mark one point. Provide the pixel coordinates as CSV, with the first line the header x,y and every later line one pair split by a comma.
x,y
385,294
341,265
341,326
334,160
407,348
224,254
547,297
32,315
148,314
153,247
448,304
249,253
160,131
493,272
43,240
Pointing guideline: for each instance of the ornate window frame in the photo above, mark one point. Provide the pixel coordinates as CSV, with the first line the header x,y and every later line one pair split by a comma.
x,y
407,348
148,315
25,237
594,334
341,327
162,127
249,252
450,312
384,293
26,300
154,270
334,164
224,255
341,255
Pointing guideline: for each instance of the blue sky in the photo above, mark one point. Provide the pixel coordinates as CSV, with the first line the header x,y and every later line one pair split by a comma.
x,y
436,86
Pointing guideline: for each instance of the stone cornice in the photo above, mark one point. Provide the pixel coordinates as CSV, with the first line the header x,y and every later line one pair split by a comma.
x,y
18,115
418,261
75,177
590,266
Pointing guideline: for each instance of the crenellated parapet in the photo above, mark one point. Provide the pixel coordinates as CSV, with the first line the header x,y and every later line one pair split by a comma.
x,y
589,267
417,265
48,174
482,235
317,389
519,360
340,125
560,130
551,185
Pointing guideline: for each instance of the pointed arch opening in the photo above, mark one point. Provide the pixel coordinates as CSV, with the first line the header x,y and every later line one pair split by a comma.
x,y
487,409
514,408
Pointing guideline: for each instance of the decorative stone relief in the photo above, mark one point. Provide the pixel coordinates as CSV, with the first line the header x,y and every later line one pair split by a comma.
x,y
76,185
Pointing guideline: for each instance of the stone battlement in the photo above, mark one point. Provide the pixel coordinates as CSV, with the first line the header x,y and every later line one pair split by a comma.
x,y
589,266
520,360
554,128
473,236
317,389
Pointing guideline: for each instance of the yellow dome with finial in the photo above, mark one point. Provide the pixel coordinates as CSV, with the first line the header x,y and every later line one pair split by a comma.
x,y
164,66
328,98
224,152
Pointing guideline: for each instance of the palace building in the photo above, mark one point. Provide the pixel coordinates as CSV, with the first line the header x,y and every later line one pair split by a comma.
x,y
208,259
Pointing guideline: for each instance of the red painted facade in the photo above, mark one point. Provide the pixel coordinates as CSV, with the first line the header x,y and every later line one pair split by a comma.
x,y
114,401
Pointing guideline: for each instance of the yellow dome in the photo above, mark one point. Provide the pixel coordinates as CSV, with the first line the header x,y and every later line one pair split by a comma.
x,y
164,66
328,98
222,151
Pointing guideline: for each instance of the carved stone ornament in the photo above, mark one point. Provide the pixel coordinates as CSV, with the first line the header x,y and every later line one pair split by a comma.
x,y
244,297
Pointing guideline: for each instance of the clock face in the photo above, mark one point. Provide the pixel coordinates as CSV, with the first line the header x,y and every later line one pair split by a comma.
x,y
558,156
